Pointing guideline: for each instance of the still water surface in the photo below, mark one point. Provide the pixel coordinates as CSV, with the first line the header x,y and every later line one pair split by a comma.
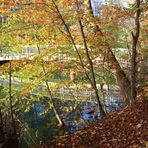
x,y
41,126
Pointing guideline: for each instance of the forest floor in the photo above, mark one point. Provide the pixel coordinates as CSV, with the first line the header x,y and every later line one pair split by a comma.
x,y
121,129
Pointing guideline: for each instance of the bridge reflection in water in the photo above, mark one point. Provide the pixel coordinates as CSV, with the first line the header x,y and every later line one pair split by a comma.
x,y
75,94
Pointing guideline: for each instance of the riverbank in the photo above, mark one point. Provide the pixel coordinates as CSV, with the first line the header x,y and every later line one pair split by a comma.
x,y
121,129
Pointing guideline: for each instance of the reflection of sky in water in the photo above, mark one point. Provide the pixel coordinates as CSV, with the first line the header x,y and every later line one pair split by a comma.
x,y
86,116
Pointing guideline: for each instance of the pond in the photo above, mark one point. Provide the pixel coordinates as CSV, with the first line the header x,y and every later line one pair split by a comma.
x,y
39,124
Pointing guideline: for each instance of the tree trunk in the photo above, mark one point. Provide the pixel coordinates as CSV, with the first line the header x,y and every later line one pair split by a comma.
x,y
1,127
135,36
61,123
93,77
103,97
10,100
121,78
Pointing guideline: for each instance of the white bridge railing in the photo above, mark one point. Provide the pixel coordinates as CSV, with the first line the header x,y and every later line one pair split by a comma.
x,y
82,95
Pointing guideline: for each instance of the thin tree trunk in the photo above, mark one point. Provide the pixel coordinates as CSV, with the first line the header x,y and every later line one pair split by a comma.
x,y
103,97
61,123
1,126
10,99
102,113
135,36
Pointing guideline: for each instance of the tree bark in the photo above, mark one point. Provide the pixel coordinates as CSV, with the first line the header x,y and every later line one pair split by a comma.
x,y
135,36
1,127
103,97
121,78
102,112
10,100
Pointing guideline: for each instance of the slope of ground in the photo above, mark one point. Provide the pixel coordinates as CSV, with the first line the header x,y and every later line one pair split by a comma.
x,y
122,129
